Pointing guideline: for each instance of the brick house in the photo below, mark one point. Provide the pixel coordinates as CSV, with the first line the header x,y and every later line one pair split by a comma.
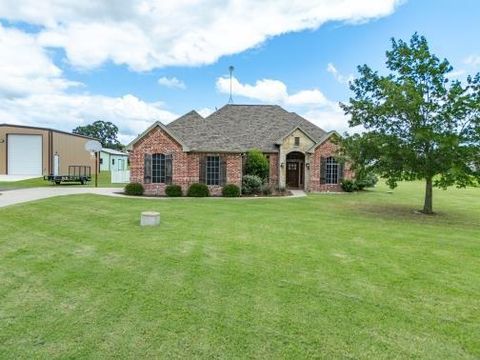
x,y
212,150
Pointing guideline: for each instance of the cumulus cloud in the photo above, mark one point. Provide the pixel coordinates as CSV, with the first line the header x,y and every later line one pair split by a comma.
x,y
67,111
172,82
311,104
147,34
271,91
205,111
34,91
328,118
26,68
342,79
473,60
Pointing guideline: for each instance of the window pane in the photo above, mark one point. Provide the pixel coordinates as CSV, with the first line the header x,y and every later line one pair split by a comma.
x,y
331,171
158,168
213,170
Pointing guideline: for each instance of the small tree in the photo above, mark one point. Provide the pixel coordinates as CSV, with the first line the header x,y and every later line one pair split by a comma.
x,y
419,124
257,164
104,131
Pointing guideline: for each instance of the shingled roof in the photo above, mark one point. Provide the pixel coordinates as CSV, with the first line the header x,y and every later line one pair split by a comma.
x,y
238,128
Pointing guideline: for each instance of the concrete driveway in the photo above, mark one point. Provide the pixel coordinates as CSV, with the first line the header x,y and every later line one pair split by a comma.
x,y
11,197
12,178
18,196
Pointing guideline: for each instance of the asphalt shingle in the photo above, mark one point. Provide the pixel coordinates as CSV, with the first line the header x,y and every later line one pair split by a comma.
x,y
235,128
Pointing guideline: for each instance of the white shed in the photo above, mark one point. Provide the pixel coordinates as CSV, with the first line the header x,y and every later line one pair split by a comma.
x,y
113,160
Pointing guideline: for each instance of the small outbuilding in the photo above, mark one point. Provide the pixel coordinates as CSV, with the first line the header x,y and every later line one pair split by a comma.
x,y
32,151
113,160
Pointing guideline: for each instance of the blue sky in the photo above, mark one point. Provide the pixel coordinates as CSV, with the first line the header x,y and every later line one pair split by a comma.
x,y
67,65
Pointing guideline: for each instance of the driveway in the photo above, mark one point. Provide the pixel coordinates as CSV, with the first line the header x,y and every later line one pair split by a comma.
x,y
12,178
11,197
18,196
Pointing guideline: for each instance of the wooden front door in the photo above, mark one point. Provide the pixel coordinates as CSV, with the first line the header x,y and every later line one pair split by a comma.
x,y
293,174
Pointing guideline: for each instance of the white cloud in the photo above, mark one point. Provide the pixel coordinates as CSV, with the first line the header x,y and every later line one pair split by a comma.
x,y
65,112
342,79
148,34
473,60
33,91
26,68
328,118
271,91
205,112
313,104
172,82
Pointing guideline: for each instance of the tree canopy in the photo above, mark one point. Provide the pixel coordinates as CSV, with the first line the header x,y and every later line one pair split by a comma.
x,y
419,124
104,131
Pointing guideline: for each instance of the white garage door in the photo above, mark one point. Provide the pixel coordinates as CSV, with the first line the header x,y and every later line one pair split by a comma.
x,y
24,154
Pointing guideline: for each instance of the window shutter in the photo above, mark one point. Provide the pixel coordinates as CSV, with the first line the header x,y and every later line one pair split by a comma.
x,y
202,168
147,168
340,172
323,170
223,171
168,169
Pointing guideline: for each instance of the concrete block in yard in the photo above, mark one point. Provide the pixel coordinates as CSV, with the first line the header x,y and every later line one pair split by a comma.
x,y
150,218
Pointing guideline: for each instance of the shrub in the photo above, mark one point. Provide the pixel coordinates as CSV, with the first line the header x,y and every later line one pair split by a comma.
x,y
349,185
251,184
173,190
367,181
257,164
134,189
198,190
266,189
231,190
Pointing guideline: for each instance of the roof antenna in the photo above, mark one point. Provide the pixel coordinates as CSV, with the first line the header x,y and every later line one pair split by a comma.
x,y
231,68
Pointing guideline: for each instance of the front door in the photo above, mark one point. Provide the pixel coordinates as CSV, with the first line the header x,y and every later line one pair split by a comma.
x,y
293,174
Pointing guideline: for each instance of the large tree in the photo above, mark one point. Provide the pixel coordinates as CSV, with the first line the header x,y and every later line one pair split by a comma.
x,y
103,131
419,125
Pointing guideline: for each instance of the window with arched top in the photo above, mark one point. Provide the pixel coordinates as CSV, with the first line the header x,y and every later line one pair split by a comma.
x,y
158,168
331,171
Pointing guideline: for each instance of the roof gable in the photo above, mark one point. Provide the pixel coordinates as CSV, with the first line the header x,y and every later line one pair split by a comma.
x,y
154,126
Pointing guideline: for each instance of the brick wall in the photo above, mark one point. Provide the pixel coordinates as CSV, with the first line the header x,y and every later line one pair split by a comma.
x,y
185,169
325,150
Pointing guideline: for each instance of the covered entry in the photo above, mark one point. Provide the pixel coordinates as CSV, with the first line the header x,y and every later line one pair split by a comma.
x,y
295,174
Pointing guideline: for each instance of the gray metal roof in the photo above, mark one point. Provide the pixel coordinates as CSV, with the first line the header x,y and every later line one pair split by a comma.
x,y
238,128
114,152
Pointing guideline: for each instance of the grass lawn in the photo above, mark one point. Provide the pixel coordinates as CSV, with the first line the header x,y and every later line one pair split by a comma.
x,y
104,180
328,276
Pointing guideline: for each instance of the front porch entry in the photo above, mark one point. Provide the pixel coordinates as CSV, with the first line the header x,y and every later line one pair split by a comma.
x,y
295,174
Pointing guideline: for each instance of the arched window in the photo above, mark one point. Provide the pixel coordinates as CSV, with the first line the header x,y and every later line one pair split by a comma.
x,y
331,171
158,168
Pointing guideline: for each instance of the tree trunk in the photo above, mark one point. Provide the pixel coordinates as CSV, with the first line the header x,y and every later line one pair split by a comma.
x,y
428,207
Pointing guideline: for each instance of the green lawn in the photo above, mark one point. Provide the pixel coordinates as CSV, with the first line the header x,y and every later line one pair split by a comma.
x,y
104,180
328,276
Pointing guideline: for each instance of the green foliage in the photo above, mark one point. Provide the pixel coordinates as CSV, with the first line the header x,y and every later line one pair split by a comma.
x,y
104,131
198,190
231,190
173,191
257,164
419,124
251,184
135,189
266,189
349,185
368,180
